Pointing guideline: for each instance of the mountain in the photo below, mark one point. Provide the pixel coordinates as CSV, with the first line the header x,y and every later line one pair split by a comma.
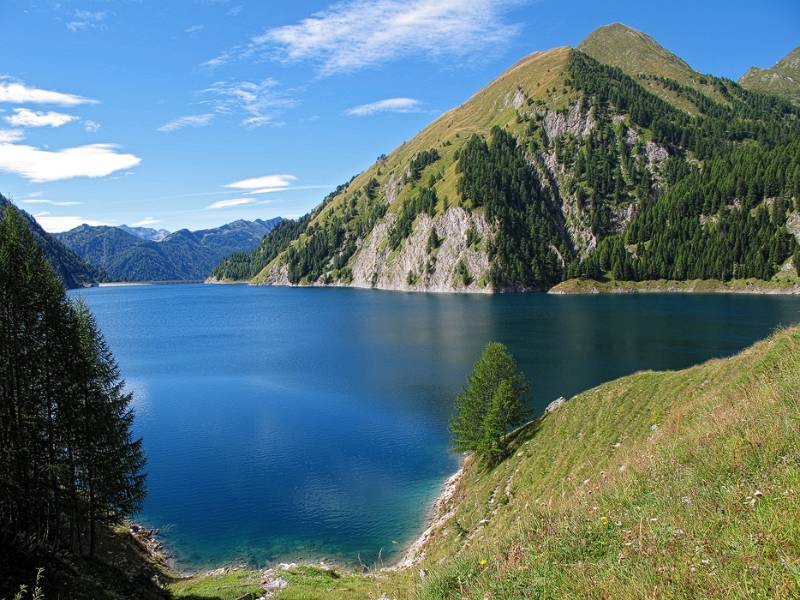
x,y
180,256
783,79
74,272
146,233
611,160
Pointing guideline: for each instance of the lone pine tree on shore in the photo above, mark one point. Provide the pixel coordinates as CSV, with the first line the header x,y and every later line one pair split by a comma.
x,y
68,458
491,403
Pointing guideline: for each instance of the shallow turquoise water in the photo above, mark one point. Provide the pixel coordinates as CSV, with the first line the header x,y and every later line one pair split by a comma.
x,y
284,423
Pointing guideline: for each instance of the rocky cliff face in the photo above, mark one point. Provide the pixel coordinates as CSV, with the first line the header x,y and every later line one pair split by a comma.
x,y
415,267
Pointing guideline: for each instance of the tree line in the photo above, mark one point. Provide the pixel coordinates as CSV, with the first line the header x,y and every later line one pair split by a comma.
x,y
69,463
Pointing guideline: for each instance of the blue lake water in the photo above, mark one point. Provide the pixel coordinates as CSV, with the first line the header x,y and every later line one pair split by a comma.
x,y
307,423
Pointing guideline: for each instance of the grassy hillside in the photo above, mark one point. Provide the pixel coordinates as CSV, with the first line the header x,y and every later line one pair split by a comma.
x,y
782,79
682,484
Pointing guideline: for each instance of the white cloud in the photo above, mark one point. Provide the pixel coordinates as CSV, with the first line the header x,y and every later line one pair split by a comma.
x,y
24,117
395,105
261,103
86,19
36,164
266,183
231,203
9,136
16,92
235,11
360,33
194,28
187,121
55,224
145,222
91,126
31,200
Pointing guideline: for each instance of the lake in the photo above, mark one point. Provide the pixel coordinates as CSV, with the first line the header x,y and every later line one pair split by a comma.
x,y
308,423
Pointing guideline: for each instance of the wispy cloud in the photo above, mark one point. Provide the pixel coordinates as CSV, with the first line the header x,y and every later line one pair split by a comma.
x,y
91,126
31,200
264,184
258,103
145,222
16,92
57,224
194,28
86,19
231,203
394,105
187,121
39,165
9,136
355,34
24,117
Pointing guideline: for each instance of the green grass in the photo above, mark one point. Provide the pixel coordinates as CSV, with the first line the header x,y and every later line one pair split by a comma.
x,y
785,282
228,586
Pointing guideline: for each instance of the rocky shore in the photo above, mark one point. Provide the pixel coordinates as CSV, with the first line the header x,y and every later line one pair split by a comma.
x,y
443,508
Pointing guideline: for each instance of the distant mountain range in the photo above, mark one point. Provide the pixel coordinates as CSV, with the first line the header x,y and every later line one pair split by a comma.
x,y
74,271
141,254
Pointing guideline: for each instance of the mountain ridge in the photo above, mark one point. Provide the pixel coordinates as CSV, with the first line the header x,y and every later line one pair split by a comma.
x,y
782,79
182,255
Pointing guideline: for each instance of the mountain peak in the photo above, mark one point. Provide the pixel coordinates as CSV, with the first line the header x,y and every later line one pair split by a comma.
x,y
634,52
782,79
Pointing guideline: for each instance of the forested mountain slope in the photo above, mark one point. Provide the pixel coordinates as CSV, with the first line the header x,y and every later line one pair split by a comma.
x,y
615,159
782,79
122,255
72,270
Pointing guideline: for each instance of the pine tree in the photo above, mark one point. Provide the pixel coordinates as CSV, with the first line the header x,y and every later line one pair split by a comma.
x,y
506,409
112,459
491,402
67,456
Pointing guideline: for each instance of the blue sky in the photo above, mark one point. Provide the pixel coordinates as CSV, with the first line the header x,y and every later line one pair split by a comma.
x,y
196,113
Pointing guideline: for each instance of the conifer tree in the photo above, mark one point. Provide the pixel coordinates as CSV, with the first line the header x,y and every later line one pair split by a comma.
x,y
68,461
492,401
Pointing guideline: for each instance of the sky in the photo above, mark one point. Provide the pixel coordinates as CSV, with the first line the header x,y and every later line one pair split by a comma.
x,y
195,113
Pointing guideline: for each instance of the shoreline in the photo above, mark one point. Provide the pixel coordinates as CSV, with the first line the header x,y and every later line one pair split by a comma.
x,y
439,512
139,283
576,287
